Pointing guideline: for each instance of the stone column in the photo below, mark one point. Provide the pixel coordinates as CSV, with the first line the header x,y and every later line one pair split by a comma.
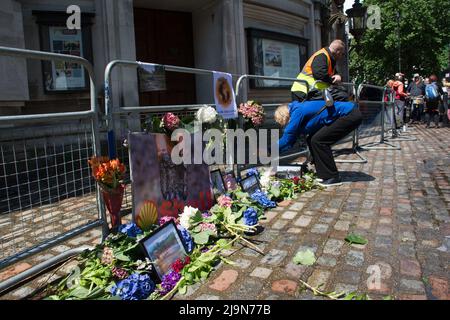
x,y
113,34
13,87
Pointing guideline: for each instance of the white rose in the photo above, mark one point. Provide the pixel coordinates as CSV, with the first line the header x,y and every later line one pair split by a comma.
x,y
186,216
206,115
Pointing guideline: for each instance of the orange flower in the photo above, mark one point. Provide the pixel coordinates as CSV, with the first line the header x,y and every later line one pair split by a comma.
x,y
107,173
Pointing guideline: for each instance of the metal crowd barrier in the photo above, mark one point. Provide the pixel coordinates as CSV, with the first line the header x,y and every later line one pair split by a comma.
x,y
387,112
45,170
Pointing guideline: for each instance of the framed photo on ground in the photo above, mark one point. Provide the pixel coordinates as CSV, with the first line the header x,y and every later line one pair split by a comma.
x,y
217,183
230,180
250,184
163,247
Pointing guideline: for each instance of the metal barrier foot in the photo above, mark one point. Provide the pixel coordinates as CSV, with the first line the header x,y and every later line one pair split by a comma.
x,y
361,159
373,146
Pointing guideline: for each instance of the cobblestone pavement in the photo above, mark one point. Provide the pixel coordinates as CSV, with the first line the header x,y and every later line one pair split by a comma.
x,y
399,201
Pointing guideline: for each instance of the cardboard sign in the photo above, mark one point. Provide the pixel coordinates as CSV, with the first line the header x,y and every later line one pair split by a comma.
x,y
224,95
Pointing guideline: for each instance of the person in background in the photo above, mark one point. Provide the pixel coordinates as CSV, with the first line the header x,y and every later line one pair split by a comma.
x,y
446,98
416,90
433,96
400,97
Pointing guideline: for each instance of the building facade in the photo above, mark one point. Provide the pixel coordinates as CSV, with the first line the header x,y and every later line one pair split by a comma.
x,y
267,37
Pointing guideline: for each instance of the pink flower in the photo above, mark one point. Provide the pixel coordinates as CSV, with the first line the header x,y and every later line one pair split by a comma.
x,y
253,112
170,121
224,201
165,219
208,226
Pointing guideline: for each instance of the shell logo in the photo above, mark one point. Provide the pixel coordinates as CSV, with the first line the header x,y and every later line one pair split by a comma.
x,y
147,216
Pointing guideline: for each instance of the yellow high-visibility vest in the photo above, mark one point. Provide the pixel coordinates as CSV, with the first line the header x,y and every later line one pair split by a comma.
x,y
307,74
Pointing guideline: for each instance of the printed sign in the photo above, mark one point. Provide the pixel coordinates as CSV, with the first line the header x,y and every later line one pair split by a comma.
x,y
224,95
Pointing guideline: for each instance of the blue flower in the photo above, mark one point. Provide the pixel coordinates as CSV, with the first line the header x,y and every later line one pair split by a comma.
x,y
252,172
187,239
250,216
135,287
130,229
261,198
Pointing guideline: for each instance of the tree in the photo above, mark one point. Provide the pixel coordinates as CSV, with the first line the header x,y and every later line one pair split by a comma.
x,y
422,33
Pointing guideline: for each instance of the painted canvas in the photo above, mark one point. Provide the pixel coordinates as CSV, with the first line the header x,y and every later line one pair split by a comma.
x,y
160,187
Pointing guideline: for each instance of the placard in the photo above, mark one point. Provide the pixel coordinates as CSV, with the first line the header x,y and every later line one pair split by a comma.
x,y
217,183
152,77
159,185
224,95
250,184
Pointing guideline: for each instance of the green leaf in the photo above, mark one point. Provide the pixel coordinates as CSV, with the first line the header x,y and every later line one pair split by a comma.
x,y
201,237
120,256
79,292
305,258
182,290
355,238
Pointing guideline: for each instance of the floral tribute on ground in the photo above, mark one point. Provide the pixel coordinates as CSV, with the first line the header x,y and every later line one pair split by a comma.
x,y
119,269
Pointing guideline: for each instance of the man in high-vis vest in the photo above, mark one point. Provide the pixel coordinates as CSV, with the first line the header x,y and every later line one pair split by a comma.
x,y
321,66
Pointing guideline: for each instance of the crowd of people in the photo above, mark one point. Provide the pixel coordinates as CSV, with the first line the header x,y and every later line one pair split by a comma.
x,y
424,100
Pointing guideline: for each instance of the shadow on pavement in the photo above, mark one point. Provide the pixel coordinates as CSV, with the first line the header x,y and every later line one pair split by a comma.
x,y
355,176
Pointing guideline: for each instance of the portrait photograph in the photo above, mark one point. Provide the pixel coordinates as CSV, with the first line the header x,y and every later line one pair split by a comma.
x,y
164,247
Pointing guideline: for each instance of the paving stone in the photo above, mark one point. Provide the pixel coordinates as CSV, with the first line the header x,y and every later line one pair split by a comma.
x,y
364,223
439,287
326,219
274,257
242,263
303,221
384,230
348,276
297,206
294,230
262,273
333,247
285,286
295,270
319,277
355,258
224,280
342,225
270,215
22,292
280,224
289,215
248,290
326,261
410,268
319,228
347,288
411,286
383,242
407,249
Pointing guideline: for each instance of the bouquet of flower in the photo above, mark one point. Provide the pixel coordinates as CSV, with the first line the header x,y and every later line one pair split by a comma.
x,y
252,112
108,173
206,115
170,122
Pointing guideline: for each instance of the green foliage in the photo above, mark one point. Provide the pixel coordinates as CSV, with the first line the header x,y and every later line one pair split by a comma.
x,y
305,258
356,239
424,41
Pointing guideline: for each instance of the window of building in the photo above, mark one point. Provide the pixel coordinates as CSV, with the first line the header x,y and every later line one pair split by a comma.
x,y
275,54
63,76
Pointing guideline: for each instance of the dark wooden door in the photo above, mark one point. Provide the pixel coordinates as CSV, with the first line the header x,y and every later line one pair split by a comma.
x,y
165,37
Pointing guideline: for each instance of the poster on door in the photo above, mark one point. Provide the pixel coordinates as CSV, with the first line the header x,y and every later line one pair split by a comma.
x,y
66,75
